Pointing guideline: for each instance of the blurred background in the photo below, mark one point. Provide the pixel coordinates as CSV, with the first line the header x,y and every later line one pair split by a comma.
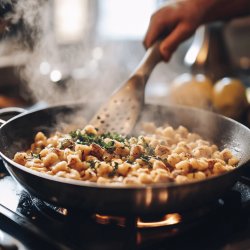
x,y
58,51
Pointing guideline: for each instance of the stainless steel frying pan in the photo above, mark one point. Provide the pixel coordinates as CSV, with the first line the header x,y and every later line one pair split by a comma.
x,y
17,134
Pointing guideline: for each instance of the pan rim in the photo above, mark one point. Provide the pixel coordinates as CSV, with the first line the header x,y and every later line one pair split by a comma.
x,y
147,105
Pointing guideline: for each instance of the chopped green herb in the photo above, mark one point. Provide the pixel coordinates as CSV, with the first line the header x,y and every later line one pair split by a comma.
x,y
129,161
110,146
38,156
115,167
114,136
146,158
88,139
92,164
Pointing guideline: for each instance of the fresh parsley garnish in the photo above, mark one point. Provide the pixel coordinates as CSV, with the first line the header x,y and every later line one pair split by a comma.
x,y
115,167
38,156
88,139
146,158
92,164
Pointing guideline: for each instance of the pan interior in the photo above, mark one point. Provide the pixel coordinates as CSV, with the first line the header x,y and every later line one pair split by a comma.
x,y
17,134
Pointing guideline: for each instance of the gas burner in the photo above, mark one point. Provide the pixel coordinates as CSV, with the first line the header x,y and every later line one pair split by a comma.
x,y
166,220
141,222
181,220
169,220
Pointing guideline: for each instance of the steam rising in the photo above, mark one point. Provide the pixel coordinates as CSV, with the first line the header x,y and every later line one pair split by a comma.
x,y
88,70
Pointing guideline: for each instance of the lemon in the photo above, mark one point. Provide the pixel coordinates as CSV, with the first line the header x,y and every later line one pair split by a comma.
x,y
191,90
229,97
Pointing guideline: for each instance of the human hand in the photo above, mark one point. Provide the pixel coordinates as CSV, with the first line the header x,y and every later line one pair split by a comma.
x,y
175,22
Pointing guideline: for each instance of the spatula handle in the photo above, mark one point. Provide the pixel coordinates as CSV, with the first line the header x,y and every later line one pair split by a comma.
x,y
149,61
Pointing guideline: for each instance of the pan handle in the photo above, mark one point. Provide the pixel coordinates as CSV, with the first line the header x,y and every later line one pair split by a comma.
x,y
8,113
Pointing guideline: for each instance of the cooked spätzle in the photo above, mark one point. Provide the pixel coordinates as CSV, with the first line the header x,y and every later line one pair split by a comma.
x,y
162,155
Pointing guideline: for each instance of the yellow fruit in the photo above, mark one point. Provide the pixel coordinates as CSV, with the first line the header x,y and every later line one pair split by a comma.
x,y
191,90
229,97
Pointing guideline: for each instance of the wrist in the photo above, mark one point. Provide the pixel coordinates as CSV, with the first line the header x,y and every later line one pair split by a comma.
x,y
222,10
209,9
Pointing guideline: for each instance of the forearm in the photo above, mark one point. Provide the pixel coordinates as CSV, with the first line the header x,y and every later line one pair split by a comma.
x,y
222,10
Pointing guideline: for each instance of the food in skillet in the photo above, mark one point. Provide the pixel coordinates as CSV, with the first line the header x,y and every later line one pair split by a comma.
x,y
160,155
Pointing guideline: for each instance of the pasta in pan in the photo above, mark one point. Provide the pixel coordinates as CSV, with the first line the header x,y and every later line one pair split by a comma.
x,y
160,155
